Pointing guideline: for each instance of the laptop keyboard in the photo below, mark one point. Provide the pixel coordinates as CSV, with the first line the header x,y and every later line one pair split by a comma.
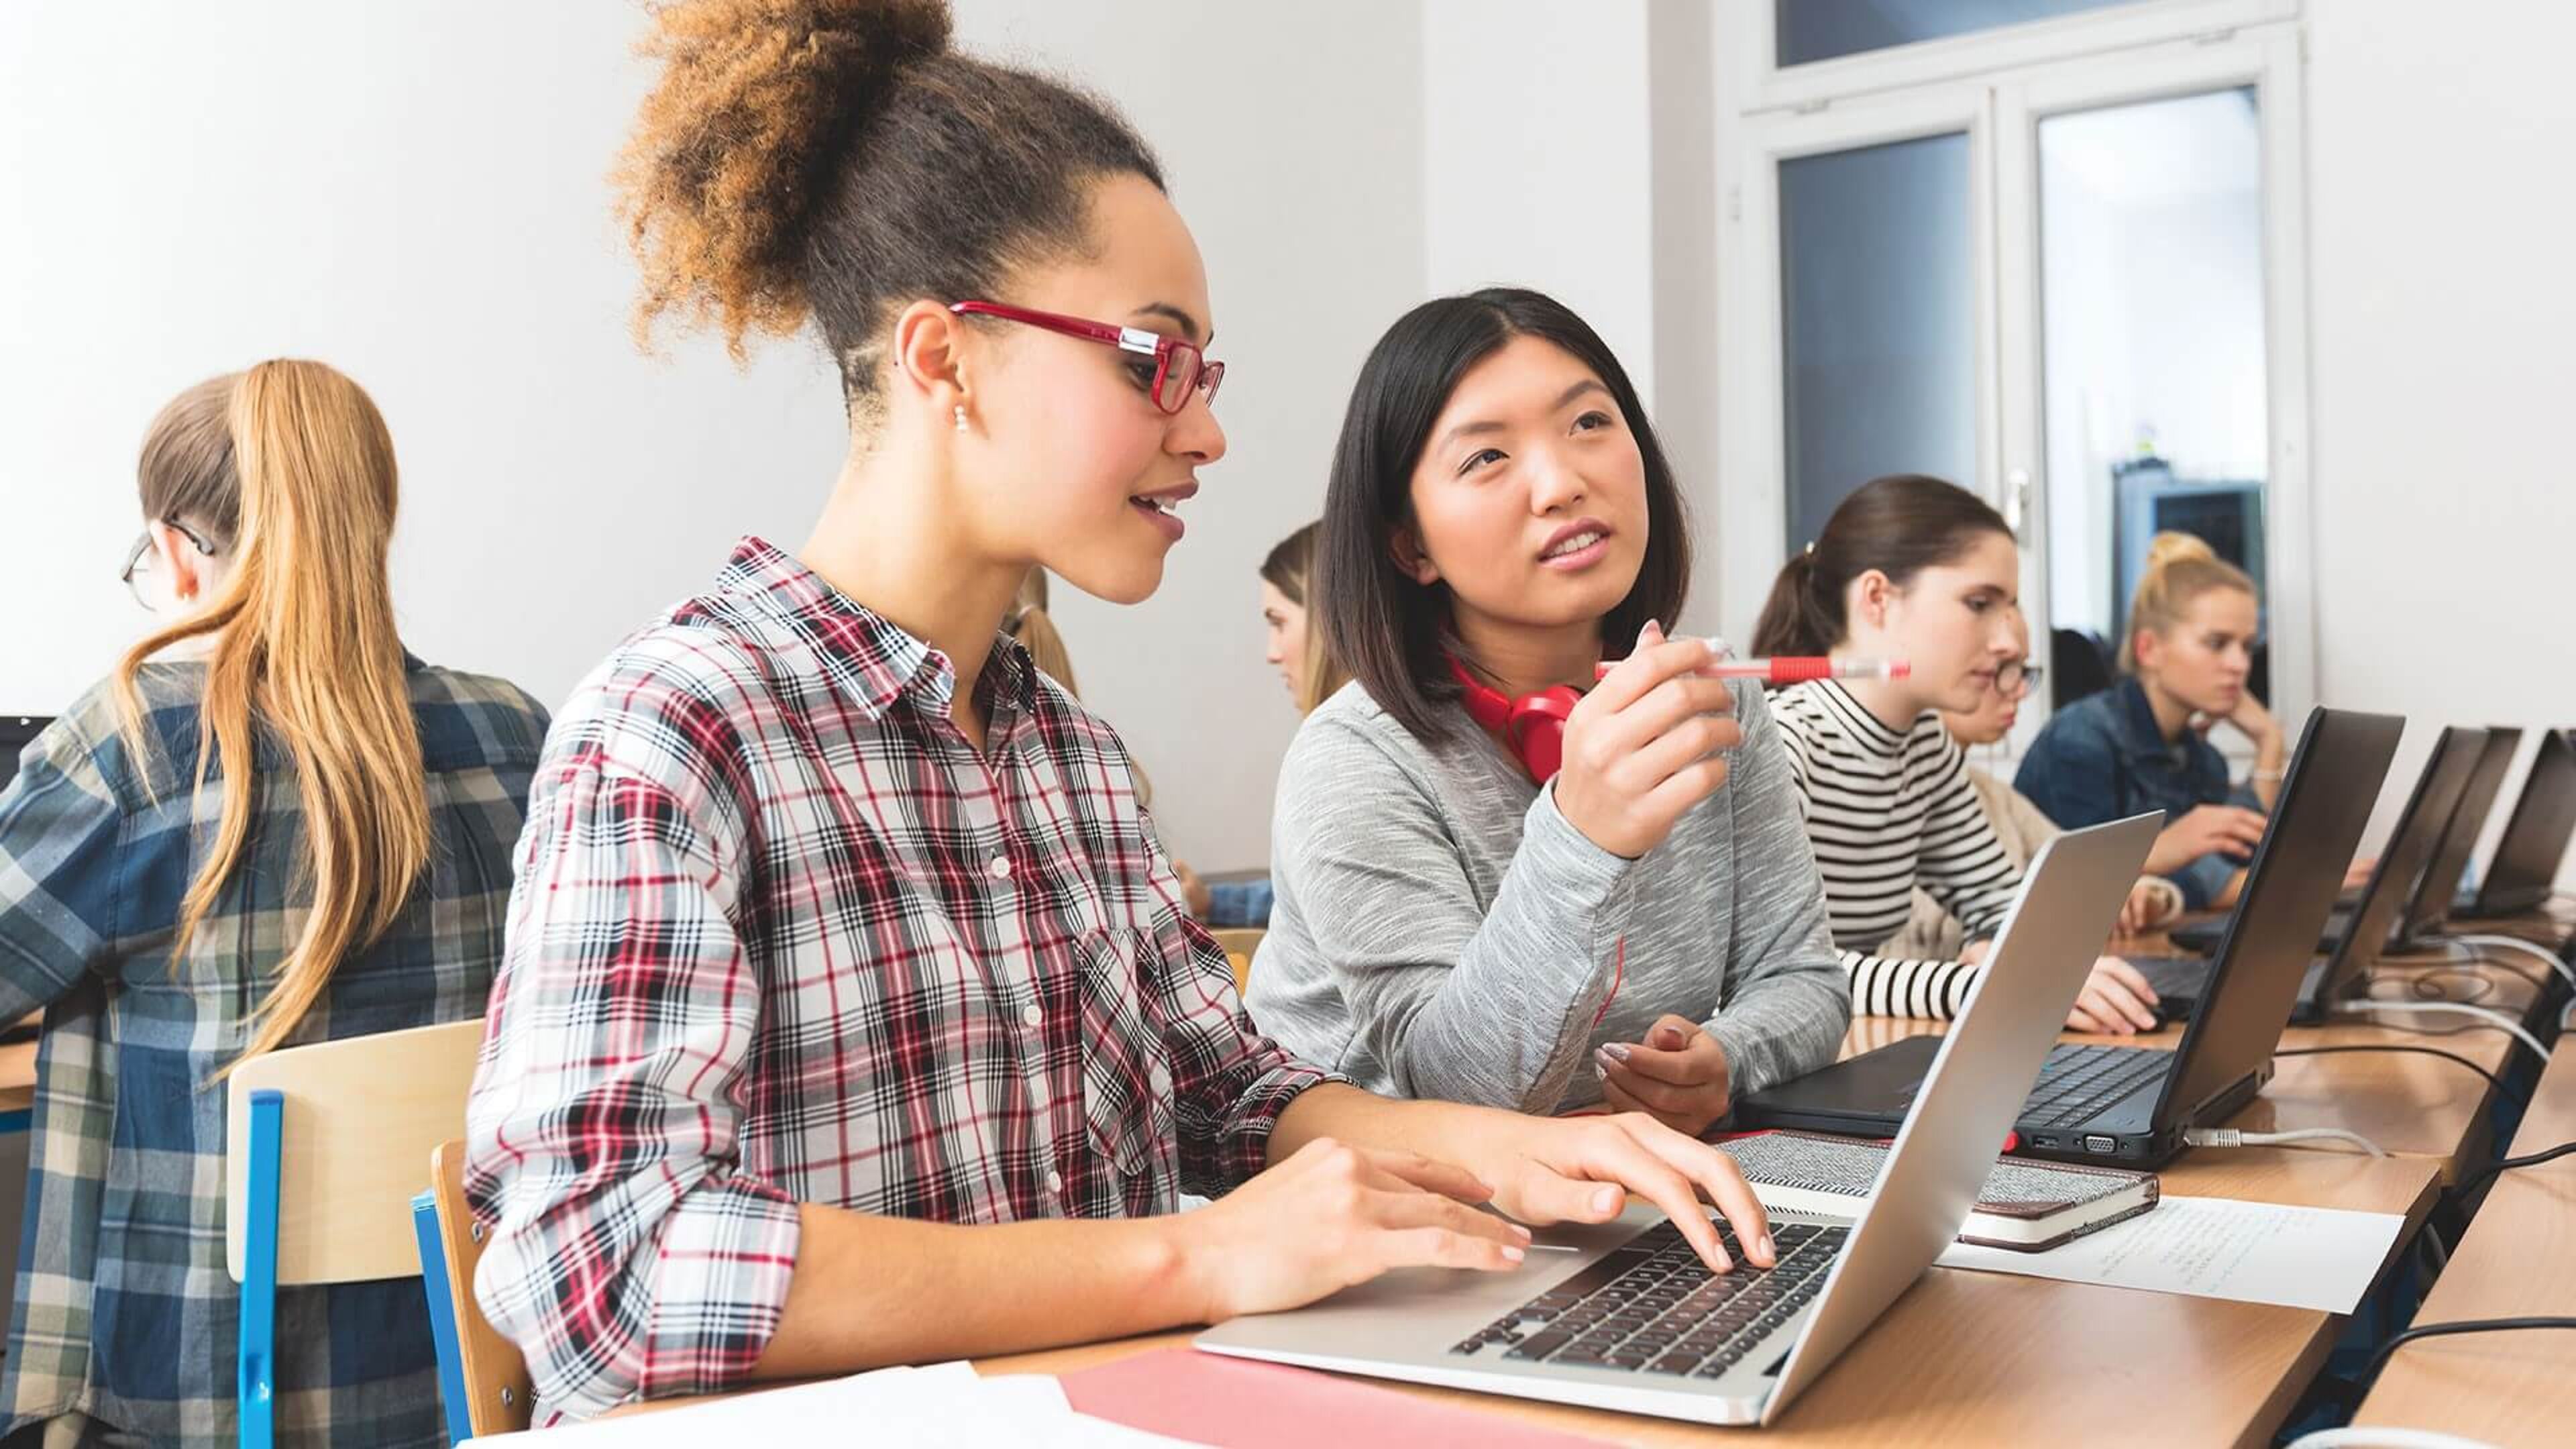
x,y
2175,976
1653,1307
2079,1081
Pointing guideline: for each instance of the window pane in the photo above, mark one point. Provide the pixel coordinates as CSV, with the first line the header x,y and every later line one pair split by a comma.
x,y
2156,392
1878,324
1809,30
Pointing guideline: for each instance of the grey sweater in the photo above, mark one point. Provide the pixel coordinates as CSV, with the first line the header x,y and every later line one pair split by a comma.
x,y
1441,931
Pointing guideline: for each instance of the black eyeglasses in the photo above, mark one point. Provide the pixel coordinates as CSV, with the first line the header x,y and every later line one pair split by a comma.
x,y
143,549
2016,679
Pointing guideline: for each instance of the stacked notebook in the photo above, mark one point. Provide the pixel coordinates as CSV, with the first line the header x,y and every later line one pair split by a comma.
x,y
2025,1206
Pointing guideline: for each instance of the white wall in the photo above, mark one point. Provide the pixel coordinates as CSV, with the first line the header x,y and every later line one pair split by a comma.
x,y
389,189
414,191
1570,148
1537,160
2442,303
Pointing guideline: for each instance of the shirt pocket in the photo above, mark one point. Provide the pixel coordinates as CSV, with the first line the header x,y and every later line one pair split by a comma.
x,y
1126,1072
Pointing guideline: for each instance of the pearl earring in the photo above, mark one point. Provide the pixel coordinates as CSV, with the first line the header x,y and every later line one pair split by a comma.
x,y
961,417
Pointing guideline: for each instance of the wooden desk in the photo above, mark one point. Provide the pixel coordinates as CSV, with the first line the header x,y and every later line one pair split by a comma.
x,y
2406,1102
17,1076
18,1067
2518,1258
1983,1358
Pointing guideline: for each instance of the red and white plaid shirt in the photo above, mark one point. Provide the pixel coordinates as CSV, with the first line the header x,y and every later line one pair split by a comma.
x,y
781,935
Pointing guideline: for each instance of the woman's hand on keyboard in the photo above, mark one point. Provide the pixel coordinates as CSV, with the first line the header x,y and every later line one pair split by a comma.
x,y
1582,1170
1331,1215
2116,1001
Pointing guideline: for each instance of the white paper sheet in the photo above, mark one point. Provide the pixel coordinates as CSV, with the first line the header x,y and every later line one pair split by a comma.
x,y
944,1404
2207,1247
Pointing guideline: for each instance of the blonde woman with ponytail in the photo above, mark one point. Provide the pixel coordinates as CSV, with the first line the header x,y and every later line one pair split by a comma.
x,y
2142,745
270,825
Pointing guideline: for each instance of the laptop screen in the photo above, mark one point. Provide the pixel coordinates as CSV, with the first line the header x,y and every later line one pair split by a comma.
x,y
2324,805
2419,830
2527,857
17,731
2432,903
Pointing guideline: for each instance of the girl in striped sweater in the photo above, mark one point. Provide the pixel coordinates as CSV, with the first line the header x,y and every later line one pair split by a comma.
x,y
1913,568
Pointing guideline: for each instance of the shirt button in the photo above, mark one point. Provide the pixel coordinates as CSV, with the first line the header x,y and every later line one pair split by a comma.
x,y
1000,869
1030,1015
1055,1182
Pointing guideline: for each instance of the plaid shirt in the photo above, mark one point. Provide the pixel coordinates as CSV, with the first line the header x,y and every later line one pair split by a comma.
x,y
783,935
124,1311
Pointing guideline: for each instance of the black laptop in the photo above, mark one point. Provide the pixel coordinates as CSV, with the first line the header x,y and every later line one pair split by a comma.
x,y
2391,887
2429,909
2525,869
2319,827
17,731
2127,1105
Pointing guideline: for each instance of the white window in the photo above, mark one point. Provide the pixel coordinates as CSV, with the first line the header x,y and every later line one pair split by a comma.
x,y
2059,262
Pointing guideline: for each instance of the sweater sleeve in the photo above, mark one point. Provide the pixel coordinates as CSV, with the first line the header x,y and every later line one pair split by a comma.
x,y
1492,1007
1904,986
1786,1011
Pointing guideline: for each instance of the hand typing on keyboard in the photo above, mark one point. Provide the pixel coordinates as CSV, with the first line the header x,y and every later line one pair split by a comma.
x,y
1329,1213
2116,1000
1652,1307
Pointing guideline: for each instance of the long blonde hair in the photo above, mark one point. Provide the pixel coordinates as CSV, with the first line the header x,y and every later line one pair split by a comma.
x,y
2180,568
299,484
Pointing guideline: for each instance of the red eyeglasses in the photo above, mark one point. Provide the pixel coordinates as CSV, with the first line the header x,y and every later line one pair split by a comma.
x,y
1179,366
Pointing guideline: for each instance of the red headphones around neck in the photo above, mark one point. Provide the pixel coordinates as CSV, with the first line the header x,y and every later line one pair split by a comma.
x,y
1533,725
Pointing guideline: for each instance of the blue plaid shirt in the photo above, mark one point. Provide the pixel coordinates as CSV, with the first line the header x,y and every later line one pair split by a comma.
x,y
124,1312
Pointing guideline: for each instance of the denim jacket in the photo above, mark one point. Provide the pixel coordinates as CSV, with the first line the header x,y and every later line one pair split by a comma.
x,y
2102,758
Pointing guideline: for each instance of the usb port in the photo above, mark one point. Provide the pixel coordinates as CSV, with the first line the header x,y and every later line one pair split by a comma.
x,y
2096,1142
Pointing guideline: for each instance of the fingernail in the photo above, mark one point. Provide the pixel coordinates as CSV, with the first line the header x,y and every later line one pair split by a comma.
x,y
1616,1051
1519,1232
1606,1200
1513,1255
1762,1249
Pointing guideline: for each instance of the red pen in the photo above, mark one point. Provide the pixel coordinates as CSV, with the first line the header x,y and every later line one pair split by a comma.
x,y
1791,669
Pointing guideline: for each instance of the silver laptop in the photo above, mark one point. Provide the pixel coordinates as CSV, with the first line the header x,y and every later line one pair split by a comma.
x,y
1623,1316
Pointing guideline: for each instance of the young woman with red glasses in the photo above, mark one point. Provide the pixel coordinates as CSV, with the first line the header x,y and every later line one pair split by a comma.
x,y
849,1014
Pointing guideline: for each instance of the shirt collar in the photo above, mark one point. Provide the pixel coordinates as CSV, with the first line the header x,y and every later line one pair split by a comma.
x,y
2138,719
1857,719
866,656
